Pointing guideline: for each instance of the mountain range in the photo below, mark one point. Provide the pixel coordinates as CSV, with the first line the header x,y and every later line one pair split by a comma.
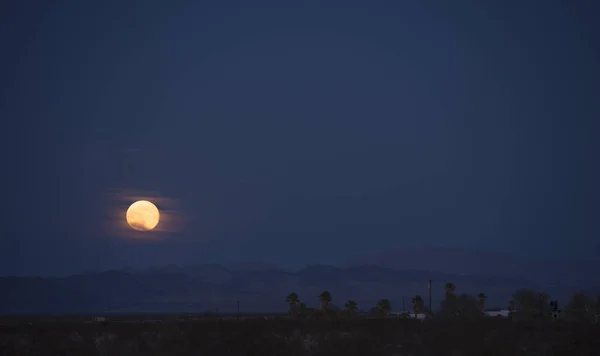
x,y
260,287
574,273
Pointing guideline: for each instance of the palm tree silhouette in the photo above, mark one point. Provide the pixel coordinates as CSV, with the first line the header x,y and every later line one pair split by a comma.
x,y
449,288
417,304
292,300
385,306
302,309
481,297
325,298
351,307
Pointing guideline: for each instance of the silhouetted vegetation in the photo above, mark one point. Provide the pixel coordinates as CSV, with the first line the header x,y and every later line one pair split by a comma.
x,y
384,305
485,336
351,307
417,302
459,327
293,299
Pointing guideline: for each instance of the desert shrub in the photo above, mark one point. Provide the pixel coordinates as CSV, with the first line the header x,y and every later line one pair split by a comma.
x,y
465,337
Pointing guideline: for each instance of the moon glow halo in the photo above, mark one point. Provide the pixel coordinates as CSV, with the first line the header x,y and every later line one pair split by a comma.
x,y
142,215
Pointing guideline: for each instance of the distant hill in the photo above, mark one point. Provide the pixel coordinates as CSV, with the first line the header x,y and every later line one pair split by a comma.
x,y
258,288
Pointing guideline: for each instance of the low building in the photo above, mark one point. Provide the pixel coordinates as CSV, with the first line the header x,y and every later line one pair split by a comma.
x,y
397,315
407,315
497,313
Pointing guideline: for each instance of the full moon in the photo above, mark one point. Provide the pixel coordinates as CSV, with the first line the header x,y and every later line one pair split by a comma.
x,y
142,215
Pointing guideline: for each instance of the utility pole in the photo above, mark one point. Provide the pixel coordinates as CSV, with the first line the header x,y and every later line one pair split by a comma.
x,y
403,307
238,305
429,286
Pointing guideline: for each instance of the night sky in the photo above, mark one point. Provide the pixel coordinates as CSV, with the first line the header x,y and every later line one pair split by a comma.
x,y
296,132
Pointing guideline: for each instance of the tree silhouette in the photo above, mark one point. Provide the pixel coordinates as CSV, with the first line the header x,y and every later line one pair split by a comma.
x,y
530,300
292,300
385,306
449,306
303,309
580,302
481,297
351,307
325,298
449,288
580,306
417,302
467,307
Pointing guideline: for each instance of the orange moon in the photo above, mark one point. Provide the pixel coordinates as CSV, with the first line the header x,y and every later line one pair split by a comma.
x,y
142,215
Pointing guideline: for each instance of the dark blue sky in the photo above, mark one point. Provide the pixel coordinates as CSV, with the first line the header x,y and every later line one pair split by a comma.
x,y
297,134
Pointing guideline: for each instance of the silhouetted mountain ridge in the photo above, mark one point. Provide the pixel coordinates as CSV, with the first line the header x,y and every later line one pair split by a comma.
x,y
261,288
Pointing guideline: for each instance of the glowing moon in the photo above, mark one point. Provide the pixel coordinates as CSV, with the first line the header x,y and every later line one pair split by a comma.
x,y
142,215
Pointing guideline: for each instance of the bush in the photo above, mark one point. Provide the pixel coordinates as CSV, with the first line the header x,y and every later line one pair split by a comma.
x,y
482,336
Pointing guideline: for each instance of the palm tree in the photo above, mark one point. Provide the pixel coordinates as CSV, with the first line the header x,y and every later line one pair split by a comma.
x,y
481,297
325,298
351,307
385,306
417,304
292,300
449,288
302,309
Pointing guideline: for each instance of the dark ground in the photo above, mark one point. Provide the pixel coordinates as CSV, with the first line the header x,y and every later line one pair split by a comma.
x,y
168,336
